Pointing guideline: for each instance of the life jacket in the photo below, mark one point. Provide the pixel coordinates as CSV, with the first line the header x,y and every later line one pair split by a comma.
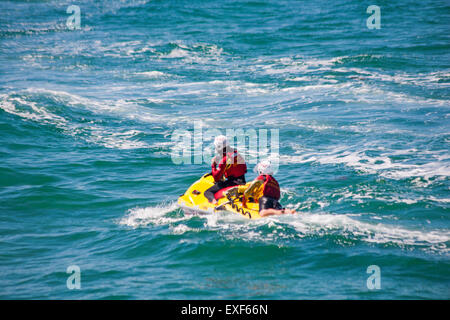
x,y
270,188
235,165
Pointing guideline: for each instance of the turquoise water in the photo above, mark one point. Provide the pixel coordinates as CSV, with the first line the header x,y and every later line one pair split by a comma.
x,y
87,177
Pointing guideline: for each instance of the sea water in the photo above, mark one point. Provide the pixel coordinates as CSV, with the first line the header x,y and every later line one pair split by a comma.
x,y
92,92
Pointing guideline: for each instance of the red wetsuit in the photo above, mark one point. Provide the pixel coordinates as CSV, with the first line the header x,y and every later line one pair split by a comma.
x,y
270,188
270,193
232,165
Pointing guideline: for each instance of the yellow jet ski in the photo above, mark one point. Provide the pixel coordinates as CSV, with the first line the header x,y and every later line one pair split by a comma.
x,y
193,200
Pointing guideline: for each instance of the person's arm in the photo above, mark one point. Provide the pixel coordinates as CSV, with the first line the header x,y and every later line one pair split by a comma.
x,y
218,172
275,212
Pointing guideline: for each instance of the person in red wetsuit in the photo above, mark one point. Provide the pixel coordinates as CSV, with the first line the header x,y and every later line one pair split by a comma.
x,y
228,168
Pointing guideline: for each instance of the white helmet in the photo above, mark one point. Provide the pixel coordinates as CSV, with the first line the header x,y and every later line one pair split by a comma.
x,y
220,142
264,167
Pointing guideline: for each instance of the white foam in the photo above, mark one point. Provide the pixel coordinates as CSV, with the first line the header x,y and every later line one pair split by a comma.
x,y
151,74
156,215
115,140
352,85
314,224
233,226
181,229
114,6
381,164
200,53
301,65
372,195
322,224
91,132
389,199
177,53
442,200
39,114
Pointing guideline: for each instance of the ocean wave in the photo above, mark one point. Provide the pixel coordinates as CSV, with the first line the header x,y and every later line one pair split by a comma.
x,y
157,215
333,78
27,29
200,53
113,6
151,74
366,194
289,227
315,68
23,106
383,164
320,224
